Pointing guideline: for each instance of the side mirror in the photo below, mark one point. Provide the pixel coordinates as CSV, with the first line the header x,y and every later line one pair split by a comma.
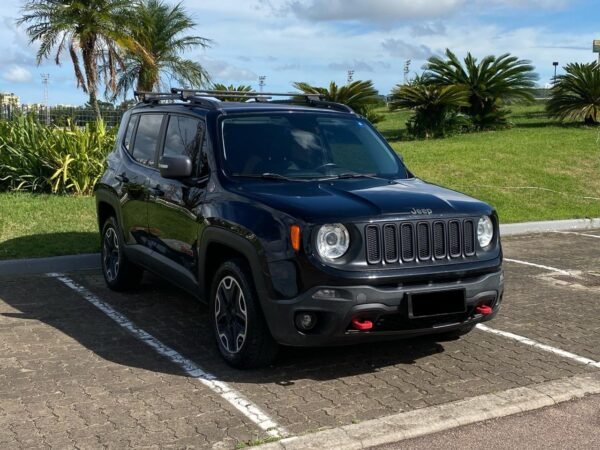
x,y
175,166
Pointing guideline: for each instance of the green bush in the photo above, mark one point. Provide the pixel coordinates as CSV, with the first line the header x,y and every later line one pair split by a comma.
x,y
436,108
39,158
576,95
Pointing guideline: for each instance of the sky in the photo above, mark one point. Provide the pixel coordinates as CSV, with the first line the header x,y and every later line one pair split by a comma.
x,y
318,41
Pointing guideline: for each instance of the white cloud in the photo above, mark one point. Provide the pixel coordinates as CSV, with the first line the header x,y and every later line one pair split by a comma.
x,y
373,10
220,70
402,49
356,65
542,4
17,74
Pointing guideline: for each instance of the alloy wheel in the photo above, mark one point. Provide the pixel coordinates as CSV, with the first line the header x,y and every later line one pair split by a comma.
x,y
231,316
111,255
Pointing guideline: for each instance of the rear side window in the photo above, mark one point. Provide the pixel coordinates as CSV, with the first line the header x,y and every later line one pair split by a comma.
x,y
128,138
183,136
146,138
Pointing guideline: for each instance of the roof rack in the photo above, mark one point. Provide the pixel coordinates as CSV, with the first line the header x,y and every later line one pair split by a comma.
x,y
157,97
210,98
312,99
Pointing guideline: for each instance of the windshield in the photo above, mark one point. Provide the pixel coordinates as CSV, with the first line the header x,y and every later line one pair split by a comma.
x,y
306,146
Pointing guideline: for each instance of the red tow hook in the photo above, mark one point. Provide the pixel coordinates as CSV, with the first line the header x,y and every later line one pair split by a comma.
x,y
362,325
484,310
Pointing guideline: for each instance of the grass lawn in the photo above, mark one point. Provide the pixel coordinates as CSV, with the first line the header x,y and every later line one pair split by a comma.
x,y
46,225
537,170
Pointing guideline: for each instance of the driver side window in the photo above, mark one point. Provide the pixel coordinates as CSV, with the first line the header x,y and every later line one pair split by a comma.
x,y
184,136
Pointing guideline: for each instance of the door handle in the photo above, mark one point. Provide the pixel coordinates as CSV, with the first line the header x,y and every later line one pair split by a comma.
x,y
122,178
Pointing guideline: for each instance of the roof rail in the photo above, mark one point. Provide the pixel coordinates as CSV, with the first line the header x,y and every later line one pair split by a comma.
x,y
157,97
311,99
210,98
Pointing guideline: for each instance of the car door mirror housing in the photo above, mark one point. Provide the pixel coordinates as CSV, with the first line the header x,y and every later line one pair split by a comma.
x,y
175,166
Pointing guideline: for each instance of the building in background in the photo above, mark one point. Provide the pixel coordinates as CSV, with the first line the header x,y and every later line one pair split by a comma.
x,y
9,99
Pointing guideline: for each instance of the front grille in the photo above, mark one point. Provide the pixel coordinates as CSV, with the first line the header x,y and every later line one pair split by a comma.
x,y
419,241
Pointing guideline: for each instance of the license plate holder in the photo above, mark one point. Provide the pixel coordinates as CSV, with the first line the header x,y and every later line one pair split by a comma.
x,y
436,303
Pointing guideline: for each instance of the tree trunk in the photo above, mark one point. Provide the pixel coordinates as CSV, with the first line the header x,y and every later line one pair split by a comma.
x,y
94,104
91,72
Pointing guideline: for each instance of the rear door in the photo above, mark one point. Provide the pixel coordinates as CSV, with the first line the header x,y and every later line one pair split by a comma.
x,y
174,207
141,143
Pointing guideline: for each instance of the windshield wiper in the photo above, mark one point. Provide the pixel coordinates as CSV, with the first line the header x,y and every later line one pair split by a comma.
x,y
349,175
267,176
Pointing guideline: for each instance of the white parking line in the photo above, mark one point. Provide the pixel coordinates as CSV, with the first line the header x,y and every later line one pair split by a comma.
x,y
536,344
236,399
539,266
578,234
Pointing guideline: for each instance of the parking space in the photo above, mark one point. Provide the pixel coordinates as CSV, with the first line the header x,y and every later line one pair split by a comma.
x,y
71,375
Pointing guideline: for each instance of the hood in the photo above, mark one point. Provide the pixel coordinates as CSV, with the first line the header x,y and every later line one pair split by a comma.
x,y
356,199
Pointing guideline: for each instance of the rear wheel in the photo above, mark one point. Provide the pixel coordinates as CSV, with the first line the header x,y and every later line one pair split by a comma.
x,y
241,332
119,273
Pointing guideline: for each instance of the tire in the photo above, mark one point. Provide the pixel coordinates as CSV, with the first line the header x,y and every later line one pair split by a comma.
x,y
119,273
240,330
454,334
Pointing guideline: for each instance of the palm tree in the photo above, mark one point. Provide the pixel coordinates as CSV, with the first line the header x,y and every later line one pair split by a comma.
x,y
161,29
491,82
361,96
435,107
231,88
576,94
91,30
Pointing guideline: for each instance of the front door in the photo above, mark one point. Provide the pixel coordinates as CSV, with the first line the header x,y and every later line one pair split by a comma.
x,y
174,206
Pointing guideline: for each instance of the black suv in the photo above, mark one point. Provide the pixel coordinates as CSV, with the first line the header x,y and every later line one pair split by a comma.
x,y
295,221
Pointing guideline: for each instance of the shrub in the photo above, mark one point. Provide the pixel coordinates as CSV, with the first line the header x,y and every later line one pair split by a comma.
x,y
435,107
491,82
40,158
576,94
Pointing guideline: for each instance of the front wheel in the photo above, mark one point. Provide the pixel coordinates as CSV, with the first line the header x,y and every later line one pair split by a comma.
x,y
241,332
119,273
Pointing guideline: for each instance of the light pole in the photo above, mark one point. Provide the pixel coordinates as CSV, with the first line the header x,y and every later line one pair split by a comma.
x,y
555,64
350,76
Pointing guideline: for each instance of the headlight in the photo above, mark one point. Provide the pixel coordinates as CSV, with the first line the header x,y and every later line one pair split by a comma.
x,y
485,231
333,241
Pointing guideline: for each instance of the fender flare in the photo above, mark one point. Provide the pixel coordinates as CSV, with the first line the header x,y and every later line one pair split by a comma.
x,y
237,243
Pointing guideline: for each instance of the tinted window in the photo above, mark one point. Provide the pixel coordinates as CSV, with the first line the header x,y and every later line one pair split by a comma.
x,y
146,138
183,136
306,146
128,138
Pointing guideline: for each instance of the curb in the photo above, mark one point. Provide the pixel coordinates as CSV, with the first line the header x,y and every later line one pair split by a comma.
x,y
515,229
33,266
420,422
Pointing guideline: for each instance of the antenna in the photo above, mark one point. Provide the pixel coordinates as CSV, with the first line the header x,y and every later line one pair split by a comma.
x,y
45,81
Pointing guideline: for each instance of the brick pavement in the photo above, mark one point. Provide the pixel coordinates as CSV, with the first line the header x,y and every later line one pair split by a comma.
x,y
69,376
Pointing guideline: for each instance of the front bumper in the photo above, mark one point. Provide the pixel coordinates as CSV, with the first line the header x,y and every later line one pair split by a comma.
x,y
386,307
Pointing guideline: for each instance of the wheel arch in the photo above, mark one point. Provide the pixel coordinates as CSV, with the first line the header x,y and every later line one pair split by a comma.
x,y
219,245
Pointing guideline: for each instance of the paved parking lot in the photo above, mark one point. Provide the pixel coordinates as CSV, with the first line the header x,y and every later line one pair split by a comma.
x,y
73,375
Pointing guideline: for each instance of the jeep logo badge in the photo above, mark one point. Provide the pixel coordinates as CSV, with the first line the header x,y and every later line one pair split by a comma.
x,y
421,212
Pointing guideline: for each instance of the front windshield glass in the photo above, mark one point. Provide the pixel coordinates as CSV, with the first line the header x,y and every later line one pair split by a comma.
x,y
308,146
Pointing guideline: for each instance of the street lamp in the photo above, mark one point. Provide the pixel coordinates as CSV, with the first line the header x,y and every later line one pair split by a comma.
x,y
555,64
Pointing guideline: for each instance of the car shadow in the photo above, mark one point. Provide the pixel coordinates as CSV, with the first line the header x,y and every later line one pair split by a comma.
x,y
181,322
50,244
